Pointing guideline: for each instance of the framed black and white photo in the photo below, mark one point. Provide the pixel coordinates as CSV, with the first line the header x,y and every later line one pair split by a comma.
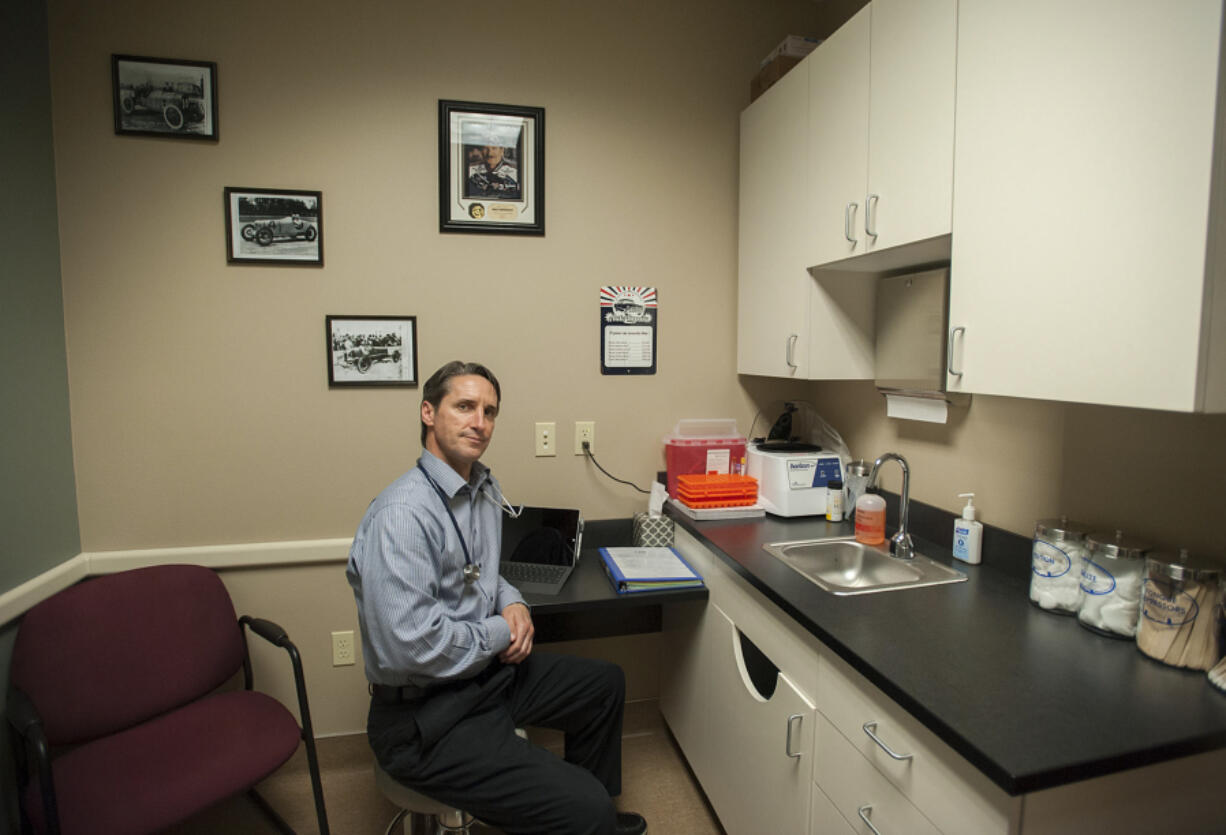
x,y
491,168
164,97
372,350
274,226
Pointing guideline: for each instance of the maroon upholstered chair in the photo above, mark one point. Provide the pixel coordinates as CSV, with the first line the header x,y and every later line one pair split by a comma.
x,y
121,725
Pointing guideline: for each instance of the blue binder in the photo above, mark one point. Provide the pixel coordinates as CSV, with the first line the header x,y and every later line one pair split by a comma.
x,y
626,569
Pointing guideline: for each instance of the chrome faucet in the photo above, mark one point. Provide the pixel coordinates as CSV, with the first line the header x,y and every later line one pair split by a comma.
x,y
900,543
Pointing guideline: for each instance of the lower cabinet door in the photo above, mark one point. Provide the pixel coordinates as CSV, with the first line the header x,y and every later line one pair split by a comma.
x,y
760,777
752,752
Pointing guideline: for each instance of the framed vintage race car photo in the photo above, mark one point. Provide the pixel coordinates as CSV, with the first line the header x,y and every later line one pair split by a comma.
x,y
274,226
164,97
371,350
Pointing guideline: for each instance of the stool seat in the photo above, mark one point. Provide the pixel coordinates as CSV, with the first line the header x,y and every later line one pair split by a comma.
x,y
414,804
406,798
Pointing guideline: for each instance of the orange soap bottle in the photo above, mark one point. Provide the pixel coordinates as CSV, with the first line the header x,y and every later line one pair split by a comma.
x,y
870,518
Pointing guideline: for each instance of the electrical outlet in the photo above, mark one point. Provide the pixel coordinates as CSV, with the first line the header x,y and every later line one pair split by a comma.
x,y
343,652
546,439
585,430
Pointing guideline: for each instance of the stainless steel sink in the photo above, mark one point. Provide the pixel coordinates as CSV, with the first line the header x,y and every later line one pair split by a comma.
x,y
845,566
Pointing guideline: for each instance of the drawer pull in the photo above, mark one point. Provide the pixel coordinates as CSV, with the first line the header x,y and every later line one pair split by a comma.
x,y
869,728
787,745
863,813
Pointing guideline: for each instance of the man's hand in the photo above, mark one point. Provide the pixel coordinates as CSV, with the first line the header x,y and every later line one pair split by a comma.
x,y
519,619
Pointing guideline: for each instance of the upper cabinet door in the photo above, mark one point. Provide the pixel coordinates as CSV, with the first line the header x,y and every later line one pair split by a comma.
x,y
1083,260
835,169
913,47
772,284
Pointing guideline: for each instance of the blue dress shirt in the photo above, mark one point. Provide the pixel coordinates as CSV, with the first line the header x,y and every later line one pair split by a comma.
x,y
421,623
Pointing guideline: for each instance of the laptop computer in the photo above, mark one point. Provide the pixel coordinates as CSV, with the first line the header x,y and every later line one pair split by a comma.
x,y
540,548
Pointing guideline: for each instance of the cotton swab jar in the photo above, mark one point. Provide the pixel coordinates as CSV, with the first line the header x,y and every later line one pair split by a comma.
x,y
1180,604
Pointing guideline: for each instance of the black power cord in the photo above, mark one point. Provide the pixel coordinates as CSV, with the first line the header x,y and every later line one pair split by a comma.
x,y
587,450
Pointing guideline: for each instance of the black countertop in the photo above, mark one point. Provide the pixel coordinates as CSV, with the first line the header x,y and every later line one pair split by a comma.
x,y
1030,698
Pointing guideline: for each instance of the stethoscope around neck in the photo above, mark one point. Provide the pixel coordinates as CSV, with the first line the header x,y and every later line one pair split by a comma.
x,y
471,571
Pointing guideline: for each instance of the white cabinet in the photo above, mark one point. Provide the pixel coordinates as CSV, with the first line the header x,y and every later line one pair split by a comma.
x,y
916,770
738,743
838,131
881,124
1088,203
790,324
753,755
773,287
849,155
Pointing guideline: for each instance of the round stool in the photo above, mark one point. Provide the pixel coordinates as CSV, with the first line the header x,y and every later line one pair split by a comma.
x,y
420,808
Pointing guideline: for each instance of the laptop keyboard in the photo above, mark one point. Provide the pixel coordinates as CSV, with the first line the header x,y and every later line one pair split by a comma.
x,y
521,572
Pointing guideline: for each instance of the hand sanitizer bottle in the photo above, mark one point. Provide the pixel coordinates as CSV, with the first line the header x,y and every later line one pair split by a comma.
x,y
968,534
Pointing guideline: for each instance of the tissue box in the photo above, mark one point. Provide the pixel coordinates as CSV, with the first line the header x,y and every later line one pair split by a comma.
x,y
652,531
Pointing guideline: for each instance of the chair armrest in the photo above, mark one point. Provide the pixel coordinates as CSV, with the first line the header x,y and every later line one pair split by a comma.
x,y
277,636
23,716
267,630
24,719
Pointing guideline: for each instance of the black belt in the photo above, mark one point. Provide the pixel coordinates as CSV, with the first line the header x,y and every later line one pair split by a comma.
x,y
388,695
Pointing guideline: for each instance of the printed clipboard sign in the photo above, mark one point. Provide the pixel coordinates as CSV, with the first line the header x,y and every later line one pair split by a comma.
x,y
629,319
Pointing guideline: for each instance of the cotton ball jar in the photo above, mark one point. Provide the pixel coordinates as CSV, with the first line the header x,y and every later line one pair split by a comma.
x,y
1056,560
1111,579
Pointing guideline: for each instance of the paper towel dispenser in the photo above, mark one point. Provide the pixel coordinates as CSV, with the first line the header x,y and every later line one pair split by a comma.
x,y
911,333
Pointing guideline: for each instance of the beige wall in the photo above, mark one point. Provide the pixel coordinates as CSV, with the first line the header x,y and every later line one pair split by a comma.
x,y
1159,476
200,408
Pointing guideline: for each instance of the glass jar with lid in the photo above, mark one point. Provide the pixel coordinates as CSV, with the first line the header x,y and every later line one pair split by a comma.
x,y
1111,578
1055,564
1180,610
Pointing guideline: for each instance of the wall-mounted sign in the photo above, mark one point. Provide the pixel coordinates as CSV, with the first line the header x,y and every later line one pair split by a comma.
x,y
629,317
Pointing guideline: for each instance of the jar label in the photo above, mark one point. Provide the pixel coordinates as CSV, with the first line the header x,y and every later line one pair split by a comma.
x,y
1095,579
1049,561
1166,607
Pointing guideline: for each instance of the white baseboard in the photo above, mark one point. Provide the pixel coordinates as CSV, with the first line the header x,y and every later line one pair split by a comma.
x,y
15,602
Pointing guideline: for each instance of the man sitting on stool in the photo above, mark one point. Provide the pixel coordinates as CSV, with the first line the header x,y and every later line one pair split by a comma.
x,y
448,643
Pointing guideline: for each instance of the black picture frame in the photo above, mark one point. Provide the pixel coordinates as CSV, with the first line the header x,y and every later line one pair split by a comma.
x,y
274,226
491,168
371,350
166,97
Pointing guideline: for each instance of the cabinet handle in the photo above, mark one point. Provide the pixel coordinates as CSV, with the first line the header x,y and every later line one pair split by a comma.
x,y
848,211
869,727
949,350
869,202
791,351
787,746
863,813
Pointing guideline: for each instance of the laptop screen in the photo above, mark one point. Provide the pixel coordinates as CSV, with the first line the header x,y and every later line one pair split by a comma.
x,y
542,535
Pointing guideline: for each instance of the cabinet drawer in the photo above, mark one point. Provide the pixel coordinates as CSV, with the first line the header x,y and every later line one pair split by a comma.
x,y
826,819
949,790
856,788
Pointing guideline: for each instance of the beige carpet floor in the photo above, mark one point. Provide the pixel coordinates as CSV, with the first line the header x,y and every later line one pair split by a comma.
x,y
656,783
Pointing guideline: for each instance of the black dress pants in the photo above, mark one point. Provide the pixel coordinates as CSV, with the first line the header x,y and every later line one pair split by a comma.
x,y
479,765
